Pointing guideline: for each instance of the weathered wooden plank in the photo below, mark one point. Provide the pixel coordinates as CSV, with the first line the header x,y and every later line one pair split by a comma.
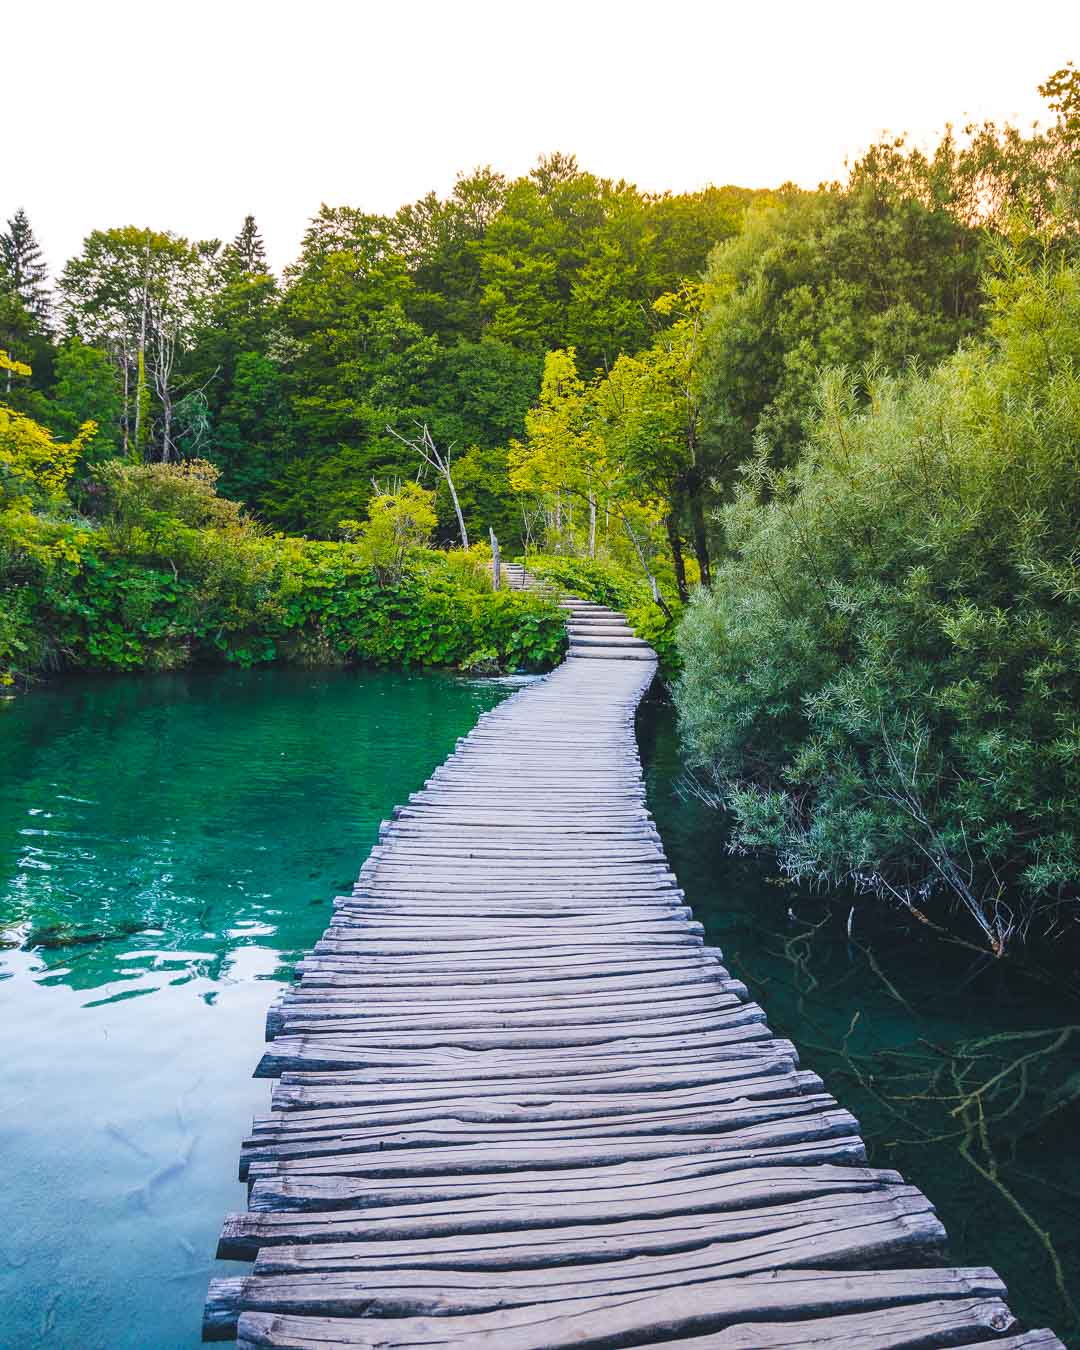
x,y
448,1066
414,993
297,1137
420,1291
915,1326
297,1209
824,1136
679,1112
382,1002
531,1249
340,1050
628,1319
293,1010
319,1092
727,1021
420,1083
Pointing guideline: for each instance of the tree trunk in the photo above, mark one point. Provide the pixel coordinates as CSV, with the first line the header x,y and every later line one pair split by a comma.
x,y
592,525
126,419
677,555
457,508
140,382
496,578
697,524
653,585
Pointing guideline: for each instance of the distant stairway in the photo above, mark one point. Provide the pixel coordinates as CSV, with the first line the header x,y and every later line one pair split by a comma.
x,y
594,630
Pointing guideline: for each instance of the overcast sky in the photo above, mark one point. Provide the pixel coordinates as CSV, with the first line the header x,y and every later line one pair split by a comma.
x,y
186,117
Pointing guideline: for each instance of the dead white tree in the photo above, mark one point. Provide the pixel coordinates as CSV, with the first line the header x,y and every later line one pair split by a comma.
x,y
424,445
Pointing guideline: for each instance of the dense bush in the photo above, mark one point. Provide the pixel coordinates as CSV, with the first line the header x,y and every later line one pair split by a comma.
x,y
170,575
605,583
884,681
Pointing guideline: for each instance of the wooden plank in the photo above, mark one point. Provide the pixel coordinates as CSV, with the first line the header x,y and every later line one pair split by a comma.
x,y
303,1109
318,1092
421,1291
403,1127
341,1051
295,1209
725,1021
555,1247
915,1326
824,1136
627,1319
445,1066
293,1010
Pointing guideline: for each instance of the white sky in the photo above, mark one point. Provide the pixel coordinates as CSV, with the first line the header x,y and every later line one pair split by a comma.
x,y
186,117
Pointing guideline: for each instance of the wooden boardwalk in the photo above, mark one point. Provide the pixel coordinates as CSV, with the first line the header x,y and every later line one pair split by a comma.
x,y
522,1106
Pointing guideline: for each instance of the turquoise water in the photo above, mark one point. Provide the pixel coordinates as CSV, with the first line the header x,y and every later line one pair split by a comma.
x,y
168,845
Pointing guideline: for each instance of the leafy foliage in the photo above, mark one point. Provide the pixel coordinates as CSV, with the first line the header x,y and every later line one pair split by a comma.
x,y
174,574
397,524
883,681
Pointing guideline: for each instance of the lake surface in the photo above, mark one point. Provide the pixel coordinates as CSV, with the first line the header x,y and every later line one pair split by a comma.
x,y
170,844
173,843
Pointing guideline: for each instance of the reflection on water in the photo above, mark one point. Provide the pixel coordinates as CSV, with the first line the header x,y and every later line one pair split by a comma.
x,y
167,846
906,1033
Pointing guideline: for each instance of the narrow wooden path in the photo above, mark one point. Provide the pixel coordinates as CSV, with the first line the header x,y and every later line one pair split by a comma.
x,y
522,1106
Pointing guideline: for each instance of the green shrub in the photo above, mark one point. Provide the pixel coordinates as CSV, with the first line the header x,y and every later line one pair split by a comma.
x,y
883,681
397,524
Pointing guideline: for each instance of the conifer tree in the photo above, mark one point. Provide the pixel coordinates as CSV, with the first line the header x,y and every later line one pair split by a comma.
x,y
247,252
22,268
